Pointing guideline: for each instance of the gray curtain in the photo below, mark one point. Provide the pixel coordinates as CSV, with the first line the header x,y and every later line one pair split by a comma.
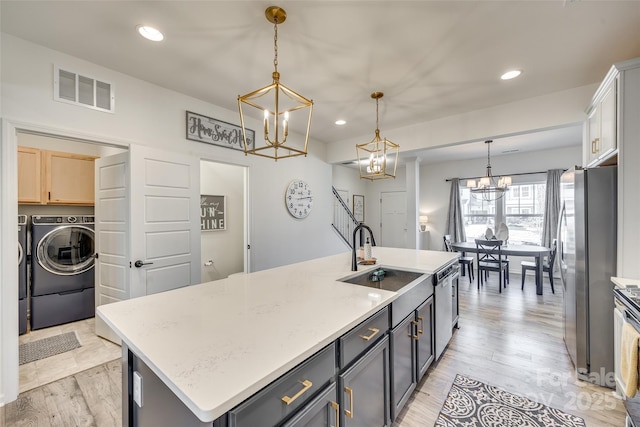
x,y
455,222
551,207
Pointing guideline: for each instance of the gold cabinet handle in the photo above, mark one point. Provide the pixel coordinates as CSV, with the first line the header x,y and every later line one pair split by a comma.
x,y
421,329
593,146
349,412
336,407
596,142
289,400
374,332
415,337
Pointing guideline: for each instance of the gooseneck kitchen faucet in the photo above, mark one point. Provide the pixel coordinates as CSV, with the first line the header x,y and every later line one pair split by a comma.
x,y
354,262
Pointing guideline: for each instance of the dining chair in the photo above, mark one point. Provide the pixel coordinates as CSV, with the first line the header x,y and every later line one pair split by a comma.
x,y
502,233
547,265
490,258
465,261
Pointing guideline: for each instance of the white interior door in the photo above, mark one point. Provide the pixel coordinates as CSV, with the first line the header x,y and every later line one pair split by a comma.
x,y
393,219
147,225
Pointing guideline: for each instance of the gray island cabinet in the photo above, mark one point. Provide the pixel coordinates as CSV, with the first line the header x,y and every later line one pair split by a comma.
x,y
412,341
289,346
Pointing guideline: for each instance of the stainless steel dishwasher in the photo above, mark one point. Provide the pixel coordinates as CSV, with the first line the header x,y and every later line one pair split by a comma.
x,y
443,290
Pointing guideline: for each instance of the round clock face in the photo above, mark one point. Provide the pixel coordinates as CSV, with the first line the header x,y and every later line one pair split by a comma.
x,y
299,199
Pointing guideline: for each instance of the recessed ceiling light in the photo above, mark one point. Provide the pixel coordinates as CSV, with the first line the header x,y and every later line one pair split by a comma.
x,y
511,74
341,122
150,33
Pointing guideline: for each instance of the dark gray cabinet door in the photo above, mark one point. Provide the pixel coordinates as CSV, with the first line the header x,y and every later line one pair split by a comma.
x,y
287,394
426,343
403,363
323,411
364,389
161,407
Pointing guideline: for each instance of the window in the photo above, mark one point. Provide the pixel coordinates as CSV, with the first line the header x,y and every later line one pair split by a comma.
x,y
524,214
478,214
522,209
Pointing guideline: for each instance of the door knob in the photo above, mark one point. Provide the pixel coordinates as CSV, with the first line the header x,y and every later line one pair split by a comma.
x,y
139,263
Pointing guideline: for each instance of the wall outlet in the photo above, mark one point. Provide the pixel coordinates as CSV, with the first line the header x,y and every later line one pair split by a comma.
x,y
137,388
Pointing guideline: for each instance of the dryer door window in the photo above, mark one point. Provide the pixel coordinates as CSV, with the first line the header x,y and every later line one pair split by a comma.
x,y
67,250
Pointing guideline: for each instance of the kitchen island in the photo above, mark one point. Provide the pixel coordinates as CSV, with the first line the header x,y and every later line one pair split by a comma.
x,y
216,344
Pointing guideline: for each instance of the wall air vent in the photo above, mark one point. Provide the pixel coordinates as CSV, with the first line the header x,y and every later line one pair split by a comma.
x,y
84,91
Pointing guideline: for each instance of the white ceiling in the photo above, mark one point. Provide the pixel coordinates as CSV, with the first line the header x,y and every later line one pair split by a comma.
x,y
432,59
530,141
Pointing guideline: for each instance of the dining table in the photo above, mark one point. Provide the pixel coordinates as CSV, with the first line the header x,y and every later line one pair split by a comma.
x,y
538,252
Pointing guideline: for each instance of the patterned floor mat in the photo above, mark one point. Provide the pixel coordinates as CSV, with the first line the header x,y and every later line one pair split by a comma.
x,y
46,347
473,403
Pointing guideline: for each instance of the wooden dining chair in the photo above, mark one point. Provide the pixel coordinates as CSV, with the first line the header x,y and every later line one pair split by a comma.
x,y
464,261
547,265
490,258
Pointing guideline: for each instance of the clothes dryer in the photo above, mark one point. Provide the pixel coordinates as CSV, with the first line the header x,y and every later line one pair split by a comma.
x,y
22,274
62,273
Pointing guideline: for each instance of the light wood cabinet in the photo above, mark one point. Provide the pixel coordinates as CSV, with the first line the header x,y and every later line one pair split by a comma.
x,y
55,178
29,175
69,178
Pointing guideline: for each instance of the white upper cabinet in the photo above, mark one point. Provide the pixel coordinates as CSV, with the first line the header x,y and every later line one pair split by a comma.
x,y
601,128
612,136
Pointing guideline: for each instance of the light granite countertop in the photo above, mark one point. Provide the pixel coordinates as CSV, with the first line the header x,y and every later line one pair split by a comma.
x,y
217,343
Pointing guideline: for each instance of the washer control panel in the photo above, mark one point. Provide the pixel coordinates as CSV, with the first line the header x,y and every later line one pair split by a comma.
x,y
62,219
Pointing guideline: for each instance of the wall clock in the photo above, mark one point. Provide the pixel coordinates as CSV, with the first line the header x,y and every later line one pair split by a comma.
x,y
298,199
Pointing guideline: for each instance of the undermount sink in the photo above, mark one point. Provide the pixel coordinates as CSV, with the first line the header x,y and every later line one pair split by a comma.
x,y
383,278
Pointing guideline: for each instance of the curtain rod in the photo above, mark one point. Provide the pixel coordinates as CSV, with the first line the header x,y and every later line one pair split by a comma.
x,y
498,176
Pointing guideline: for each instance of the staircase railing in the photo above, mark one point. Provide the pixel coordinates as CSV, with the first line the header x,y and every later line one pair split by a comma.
x,y
343,220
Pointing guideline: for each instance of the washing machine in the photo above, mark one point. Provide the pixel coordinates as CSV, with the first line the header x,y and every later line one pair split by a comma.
x,y
62,269
22,274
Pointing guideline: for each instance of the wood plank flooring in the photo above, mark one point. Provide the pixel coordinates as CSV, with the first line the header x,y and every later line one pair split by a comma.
x,y
511,340
514,341
93,352
88,398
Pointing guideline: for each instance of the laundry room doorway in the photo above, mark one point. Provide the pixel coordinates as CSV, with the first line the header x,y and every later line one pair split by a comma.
x,y
56,197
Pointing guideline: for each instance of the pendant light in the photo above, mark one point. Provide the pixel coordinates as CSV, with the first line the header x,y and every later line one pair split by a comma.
x,y
281,106
489,187
377,159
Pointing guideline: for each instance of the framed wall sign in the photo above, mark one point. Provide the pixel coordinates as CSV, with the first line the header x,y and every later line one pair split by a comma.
x,y
213,213
358,207
212,131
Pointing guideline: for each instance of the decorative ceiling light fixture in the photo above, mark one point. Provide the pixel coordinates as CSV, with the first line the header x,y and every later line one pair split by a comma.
x,y
489,187
286,104
377,159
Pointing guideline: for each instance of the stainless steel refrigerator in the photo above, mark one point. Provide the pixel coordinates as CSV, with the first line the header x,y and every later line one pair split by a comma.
x,y
587,260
